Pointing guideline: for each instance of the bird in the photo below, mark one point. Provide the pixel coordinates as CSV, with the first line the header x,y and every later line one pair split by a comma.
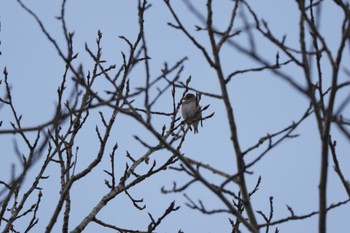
x,y
191,111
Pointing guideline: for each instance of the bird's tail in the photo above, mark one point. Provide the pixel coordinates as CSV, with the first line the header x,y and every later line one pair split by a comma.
x,y
195,127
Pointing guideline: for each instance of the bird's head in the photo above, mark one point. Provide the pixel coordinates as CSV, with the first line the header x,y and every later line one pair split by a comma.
x,y
189,98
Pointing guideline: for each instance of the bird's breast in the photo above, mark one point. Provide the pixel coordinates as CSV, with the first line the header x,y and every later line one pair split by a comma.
x,y
188,110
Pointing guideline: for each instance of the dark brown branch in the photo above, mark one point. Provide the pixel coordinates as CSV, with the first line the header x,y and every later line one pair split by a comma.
x,y
294,217
337,169
153,225
124,230
189,36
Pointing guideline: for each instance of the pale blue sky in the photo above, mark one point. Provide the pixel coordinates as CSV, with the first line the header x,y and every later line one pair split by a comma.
x,y
262,104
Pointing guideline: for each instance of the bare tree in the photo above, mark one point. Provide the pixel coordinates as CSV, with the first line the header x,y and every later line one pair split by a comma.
x,y
81,97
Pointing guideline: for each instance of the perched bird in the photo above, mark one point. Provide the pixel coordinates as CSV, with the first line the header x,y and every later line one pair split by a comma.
x,y
191,111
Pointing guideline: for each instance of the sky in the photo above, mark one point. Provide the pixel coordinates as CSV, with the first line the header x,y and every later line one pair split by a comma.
x,y
262,103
